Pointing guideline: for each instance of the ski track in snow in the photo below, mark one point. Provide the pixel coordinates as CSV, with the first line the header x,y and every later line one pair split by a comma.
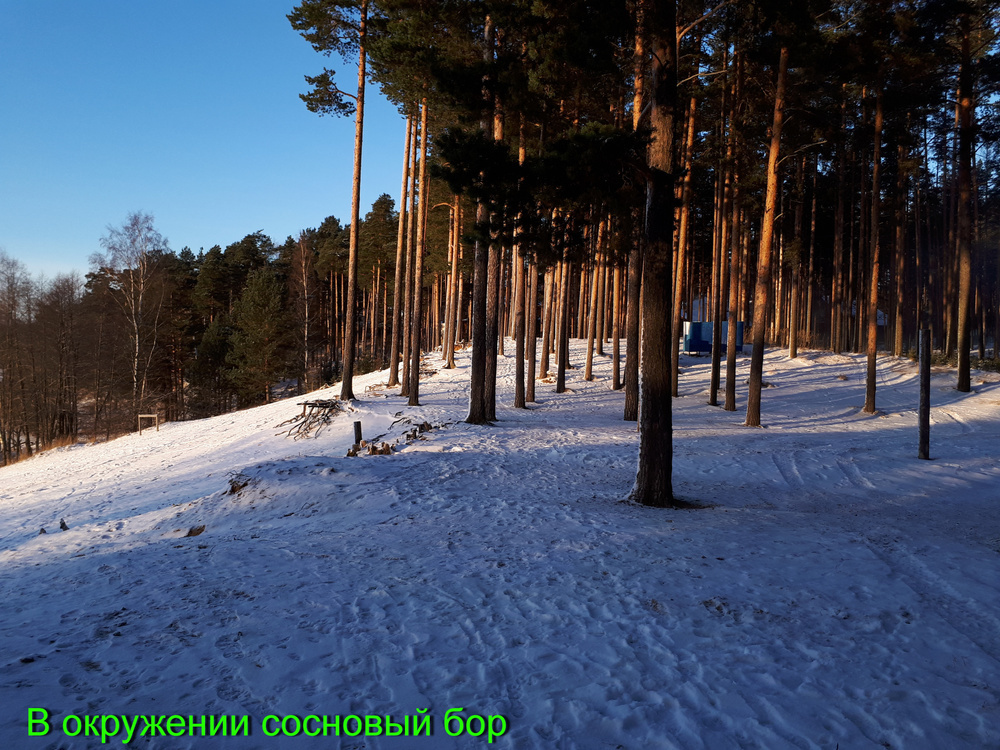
x,y
835,592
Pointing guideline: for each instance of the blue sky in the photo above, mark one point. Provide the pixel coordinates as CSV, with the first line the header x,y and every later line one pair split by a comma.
x,y
186,110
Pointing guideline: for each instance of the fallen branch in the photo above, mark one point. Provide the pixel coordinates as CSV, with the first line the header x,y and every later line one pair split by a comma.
x,y
314,417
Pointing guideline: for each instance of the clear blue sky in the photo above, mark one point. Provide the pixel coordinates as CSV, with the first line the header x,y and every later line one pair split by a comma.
x,y
187,110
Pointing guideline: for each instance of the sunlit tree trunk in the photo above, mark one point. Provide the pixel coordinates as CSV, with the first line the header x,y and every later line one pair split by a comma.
x,y
347,385
454,289
810,270
653,482
399,283
682,245
418,268
562,326
872,349
531,335
720,240
304,271
588,373
964,228
411,233
518,293
616,364
763,288
732,316
793,317
546,321
899,250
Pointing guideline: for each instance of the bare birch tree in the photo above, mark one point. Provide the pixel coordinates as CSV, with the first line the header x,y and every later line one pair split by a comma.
x,y
131,263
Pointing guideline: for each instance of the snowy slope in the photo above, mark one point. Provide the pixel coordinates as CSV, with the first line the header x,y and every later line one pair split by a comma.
x,y
836,592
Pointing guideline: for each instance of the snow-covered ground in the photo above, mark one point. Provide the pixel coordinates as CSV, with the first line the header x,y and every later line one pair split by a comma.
x,y
835,592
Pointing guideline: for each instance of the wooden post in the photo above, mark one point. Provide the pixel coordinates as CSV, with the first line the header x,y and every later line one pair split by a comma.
x,y
357,433
154,417
925,394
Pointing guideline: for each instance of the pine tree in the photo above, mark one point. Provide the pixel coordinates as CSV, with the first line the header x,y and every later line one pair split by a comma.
x,y
763,287
340,26
653,483
259,338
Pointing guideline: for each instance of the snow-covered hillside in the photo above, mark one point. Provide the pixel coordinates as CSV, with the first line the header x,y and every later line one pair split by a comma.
x,y
835,592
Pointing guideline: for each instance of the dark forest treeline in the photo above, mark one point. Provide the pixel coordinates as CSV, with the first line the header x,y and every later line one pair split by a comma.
x,y
823,170
184,335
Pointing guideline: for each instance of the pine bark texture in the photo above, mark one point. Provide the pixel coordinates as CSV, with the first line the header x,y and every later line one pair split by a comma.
x,y
763,288
350,325
964,228
872,347
418,270
477,370
398,282
653,482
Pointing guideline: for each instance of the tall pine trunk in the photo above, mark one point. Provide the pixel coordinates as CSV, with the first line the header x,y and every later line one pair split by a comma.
x,y
732,316
682,244
411,230
494,292
872,348
519,292
763,288
347,386
635,254
899,249
531,335
398,283
616,364
418,268
653,481
478,370
563,325
546,321
793,316
965,106
722,197
454,293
